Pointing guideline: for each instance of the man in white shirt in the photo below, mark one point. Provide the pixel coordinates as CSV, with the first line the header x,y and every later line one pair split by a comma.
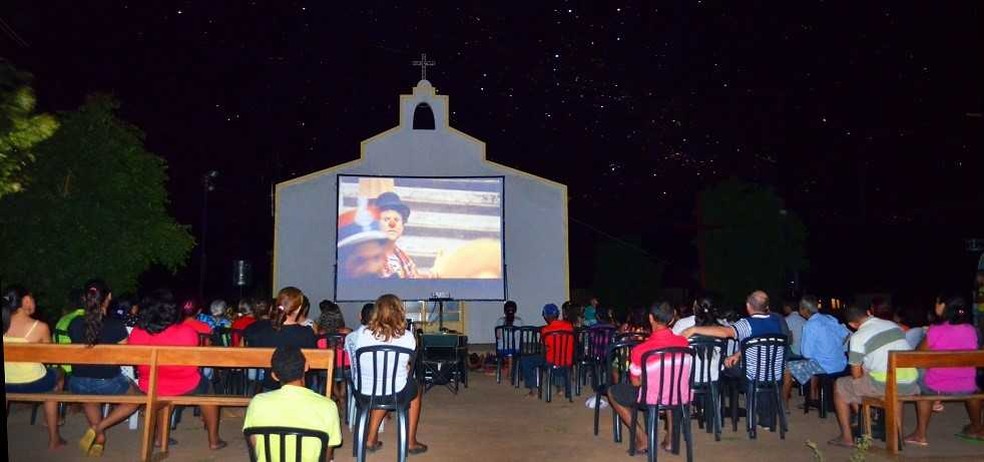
x,y
795,321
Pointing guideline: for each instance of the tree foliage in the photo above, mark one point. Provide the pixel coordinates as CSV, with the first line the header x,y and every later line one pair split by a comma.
x,y
20,128
97,207
748,240
625,276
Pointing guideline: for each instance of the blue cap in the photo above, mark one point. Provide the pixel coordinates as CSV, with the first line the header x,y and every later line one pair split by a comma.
x,y
550,310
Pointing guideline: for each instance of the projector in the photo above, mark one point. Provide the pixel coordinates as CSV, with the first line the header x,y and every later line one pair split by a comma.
x,y
441,296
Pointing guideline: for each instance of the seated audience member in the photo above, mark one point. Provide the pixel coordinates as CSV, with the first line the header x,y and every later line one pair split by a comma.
x,y
247,316
868,357
590,313
95,328
570,313
760,322
302,316
509,317
528,364
124,308
293,406
262,310
160,324
635,322
216,318
68,314
364,316
511,320
190,311
20,327
705,314
624,396
283,328
953,330
822,348
684,317
332,321
795,321
387,326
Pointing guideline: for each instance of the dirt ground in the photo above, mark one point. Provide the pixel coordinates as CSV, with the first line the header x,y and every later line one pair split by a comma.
x,y
490,422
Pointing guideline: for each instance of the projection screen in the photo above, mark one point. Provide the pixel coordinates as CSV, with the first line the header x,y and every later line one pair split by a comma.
x,y
417,237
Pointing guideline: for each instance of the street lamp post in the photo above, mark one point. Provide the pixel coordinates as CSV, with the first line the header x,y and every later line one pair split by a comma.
x,y
208,185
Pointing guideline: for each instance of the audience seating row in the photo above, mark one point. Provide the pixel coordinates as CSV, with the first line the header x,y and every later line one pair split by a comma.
x,y
155,357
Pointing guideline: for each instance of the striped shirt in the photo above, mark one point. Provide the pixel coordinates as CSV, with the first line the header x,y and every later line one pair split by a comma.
x,y
754,326
869,348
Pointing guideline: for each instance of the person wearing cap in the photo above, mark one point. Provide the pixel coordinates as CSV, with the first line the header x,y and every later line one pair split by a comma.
x,y
393,216
361,245
529,364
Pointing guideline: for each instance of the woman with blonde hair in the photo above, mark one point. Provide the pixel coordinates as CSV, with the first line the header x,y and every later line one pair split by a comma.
x,y
388,326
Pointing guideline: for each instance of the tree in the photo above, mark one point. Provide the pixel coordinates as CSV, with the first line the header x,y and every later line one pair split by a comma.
x,y
20,128
97,207
748,240
625,276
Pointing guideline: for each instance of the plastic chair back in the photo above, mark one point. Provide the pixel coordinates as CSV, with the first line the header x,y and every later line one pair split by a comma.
x,y
707,359
374,372
268,437
763,357
506,340
559,348
529,341
666,377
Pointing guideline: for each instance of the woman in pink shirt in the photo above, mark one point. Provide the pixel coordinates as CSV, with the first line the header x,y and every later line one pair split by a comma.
x,y
954,330
160,324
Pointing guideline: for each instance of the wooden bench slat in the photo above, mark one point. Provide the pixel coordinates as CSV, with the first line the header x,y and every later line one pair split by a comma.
x,y
49,353
70,398
928,359
237,357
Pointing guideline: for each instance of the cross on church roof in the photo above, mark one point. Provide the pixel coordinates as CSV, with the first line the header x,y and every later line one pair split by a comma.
x,y
424,64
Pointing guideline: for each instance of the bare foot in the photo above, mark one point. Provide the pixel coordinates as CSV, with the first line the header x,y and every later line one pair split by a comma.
x,y
531,394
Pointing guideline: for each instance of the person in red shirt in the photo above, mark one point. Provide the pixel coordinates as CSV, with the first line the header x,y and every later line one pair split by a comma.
x,y
250,311
190,310
159,324
528,364
623,396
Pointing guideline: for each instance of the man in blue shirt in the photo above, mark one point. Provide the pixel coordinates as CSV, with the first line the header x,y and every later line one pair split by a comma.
x,y
822,346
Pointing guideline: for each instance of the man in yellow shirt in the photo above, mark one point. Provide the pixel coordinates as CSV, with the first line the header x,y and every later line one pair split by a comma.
x,y
293,406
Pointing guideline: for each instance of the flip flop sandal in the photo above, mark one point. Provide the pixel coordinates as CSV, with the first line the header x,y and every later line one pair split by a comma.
x,y
977,439
375,447
938,407
88,438
921,444
96,450
642,452
418,450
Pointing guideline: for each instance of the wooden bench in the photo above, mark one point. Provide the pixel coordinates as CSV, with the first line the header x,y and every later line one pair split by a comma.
x,y
123,355
920,360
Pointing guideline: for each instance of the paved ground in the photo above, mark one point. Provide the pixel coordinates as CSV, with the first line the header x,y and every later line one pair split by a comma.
x,y
491,422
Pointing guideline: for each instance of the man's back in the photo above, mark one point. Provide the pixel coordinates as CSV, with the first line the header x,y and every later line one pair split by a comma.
x,y
551,345
294,407
823,341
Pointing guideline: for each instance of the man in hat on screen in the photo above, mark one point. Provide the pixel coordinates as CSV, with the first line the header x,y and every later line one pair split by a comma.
x,y
393,216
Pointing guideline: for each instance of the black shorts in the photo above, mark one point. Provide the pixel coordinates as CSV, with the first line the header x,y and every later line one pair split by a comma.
x,y
625,394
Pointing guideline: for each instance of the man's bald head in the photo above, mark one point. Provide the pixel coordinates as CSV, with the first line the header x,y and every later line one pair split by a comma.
x,y
758,302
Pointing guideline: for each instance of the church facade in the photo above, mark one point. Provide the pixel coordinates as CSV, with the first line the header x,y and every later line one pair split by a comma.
x,y
534,225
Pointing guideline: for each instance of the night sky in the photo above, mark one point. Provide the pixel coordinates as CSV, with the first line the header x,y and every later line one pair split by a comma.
x,y
864,116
